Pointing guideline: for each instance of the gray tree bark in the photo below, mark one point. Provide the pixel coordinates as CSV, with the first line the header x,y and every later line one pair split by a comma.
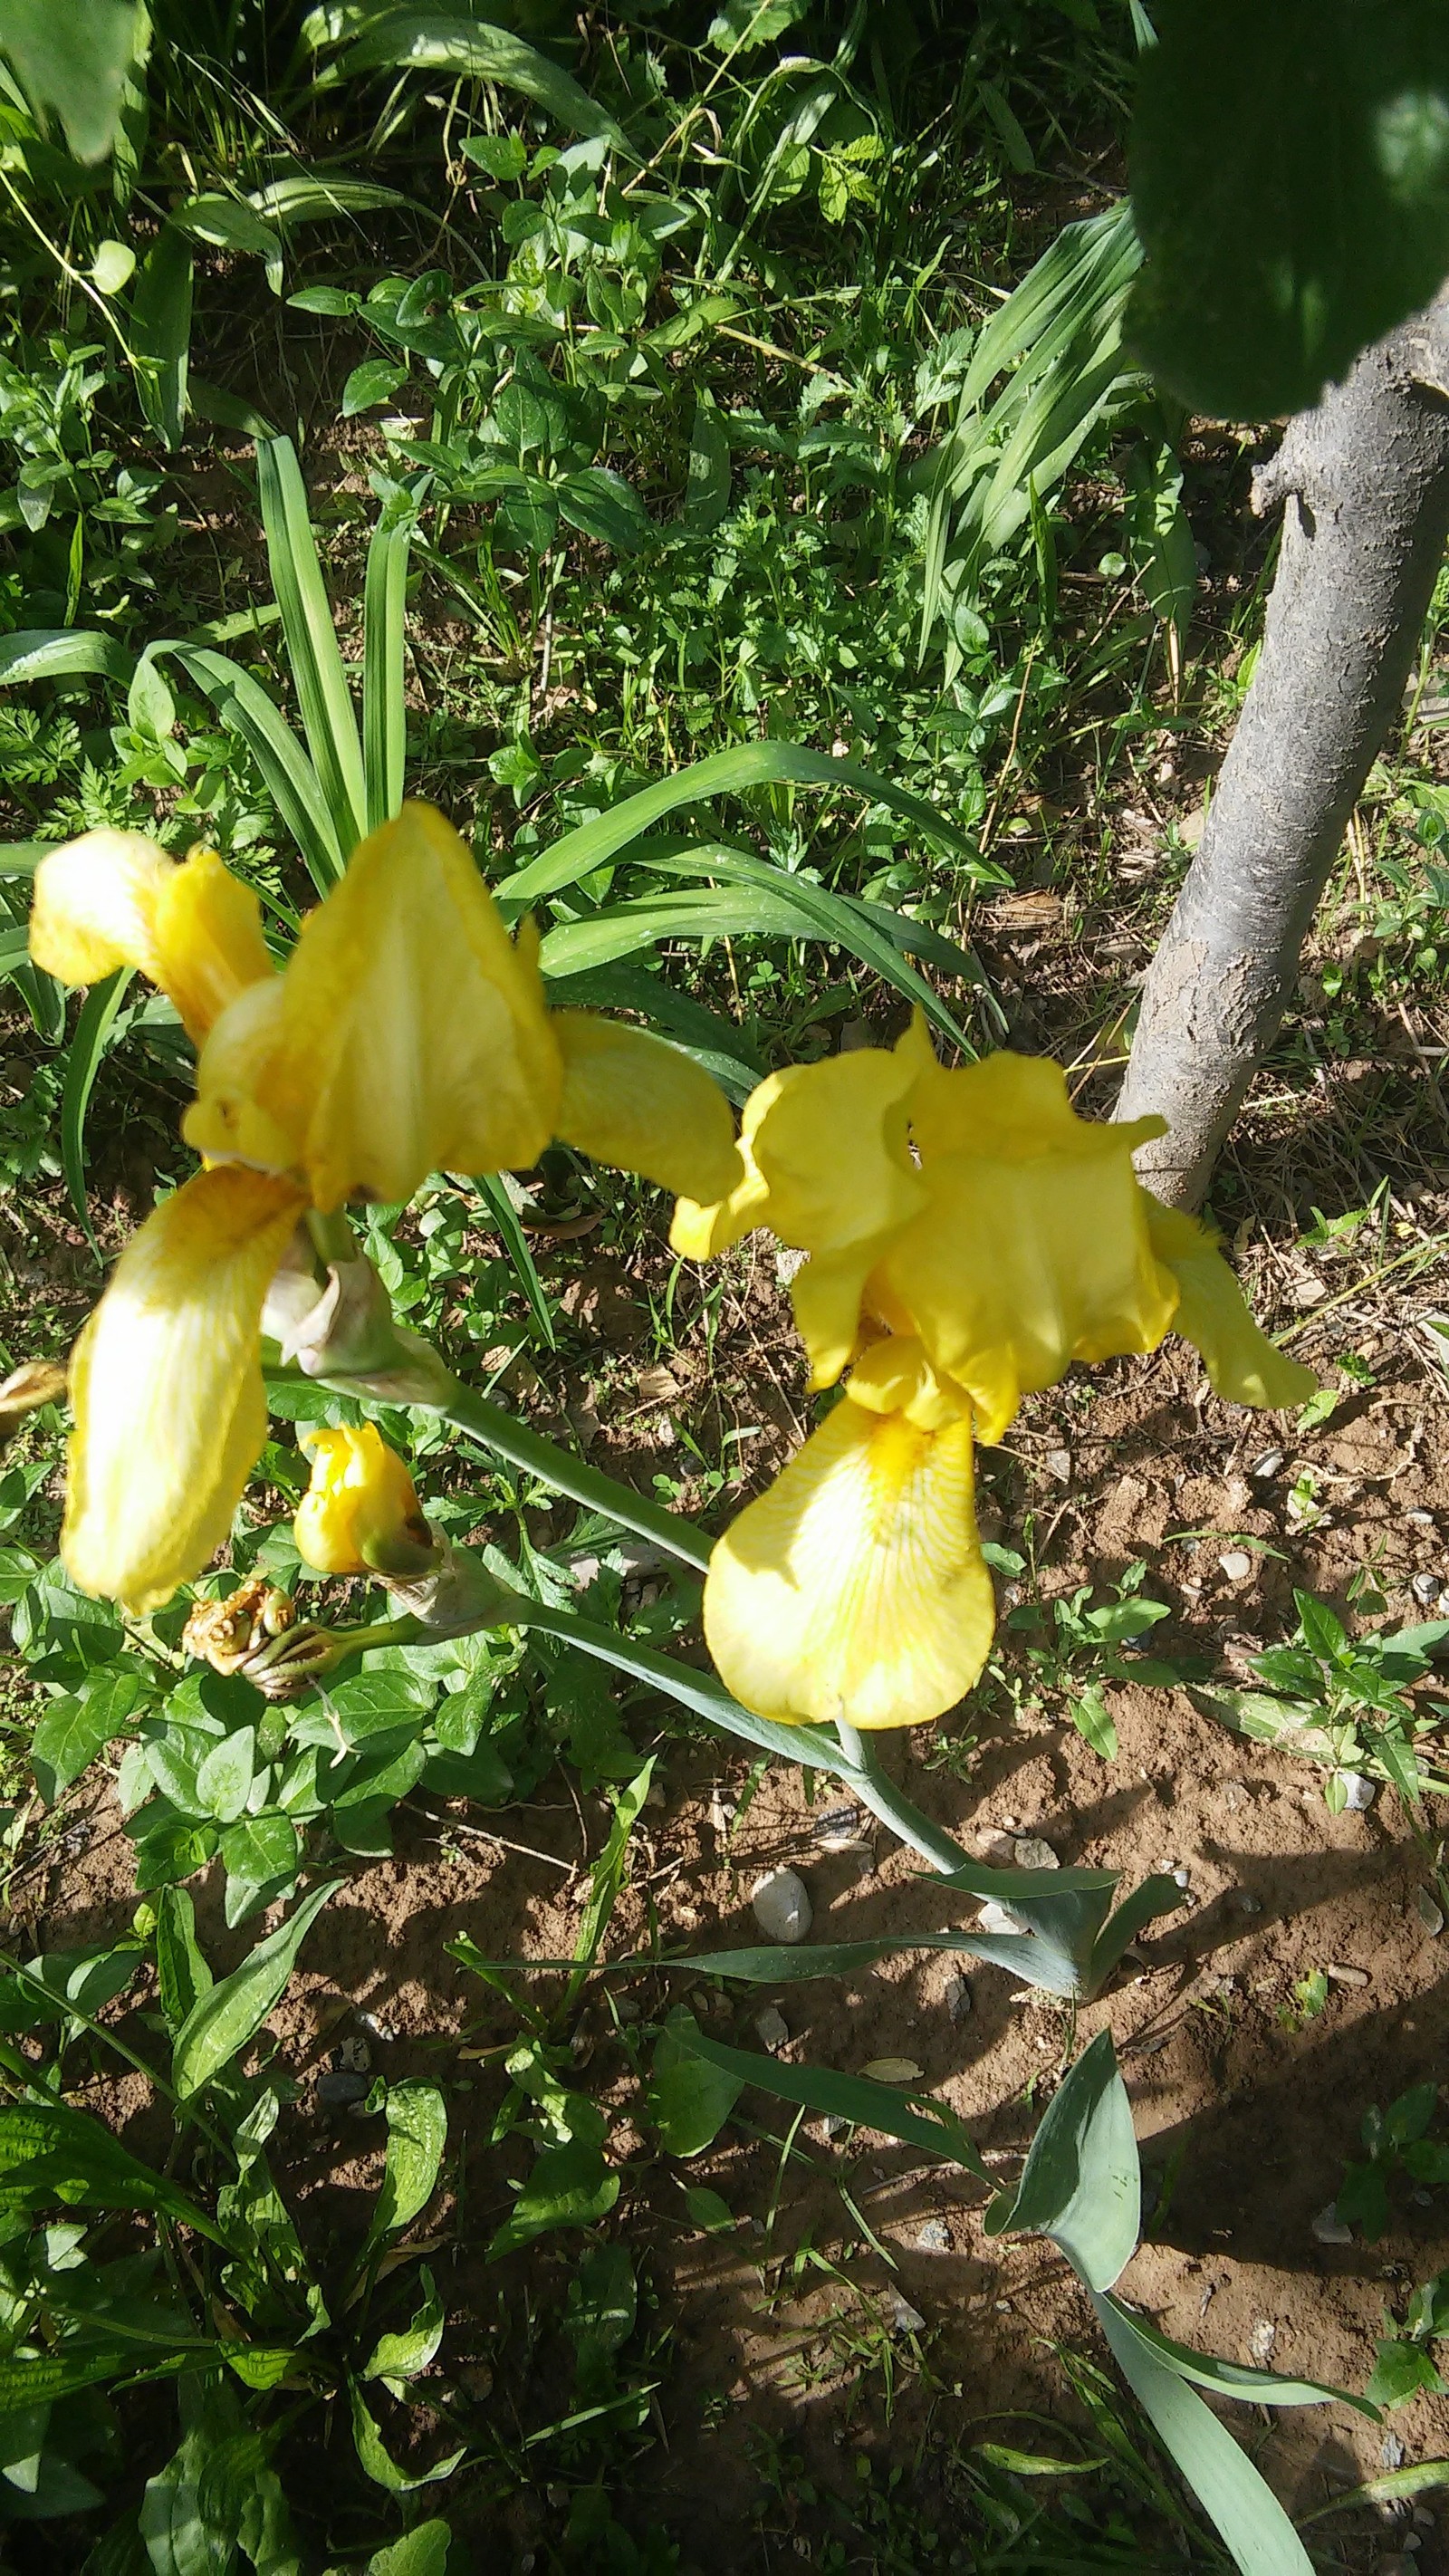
x,y
1364,481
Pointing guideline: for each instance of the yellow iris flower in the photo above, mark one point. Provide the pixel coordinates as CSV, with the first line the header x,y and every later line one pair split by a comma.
x,y
361,1514
407,1034
995,1237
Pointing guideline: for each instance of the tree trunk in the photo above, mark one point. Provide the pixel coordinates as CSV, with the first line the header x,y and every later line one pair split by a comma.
x,y
1364,478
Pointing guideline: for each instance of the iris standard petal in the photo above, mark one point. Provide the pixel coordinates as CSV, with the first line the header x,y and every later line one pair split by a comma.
x,y
1033,1250
167,1388
635,1101
1242,1364
361,1512
854,1590
236,1075
415,1036
115,899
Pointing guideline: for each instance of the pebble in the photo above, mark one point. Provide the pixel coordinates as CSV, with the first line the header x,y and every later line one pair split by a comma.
x,y
1420,1518
1428,1912
654,1794
352,2057
1348,1976
1359,1793
997,1918
781,1906
721,1817
1397,2563
1266,1466
337,2089
1059,1464
934,2237
1181,1878
1391,2452
1030,1852
1426,1588
1330,2229
772,2030
833,2125
1237,1565
1262,2340
905,2320
958,1998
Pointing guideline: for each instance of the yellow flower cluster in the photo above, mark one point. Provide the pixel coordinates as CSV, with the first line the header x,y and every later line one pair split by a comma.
x,y
407,1034
969,1237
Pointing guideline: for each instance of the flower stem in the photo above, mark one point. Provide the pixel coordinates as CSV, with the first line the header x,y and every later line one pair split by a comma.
x,y
893,1807
497,1430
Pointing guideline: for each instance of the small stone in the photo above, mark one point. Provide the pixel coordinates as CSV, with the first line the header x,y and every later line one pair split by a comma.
x,y
1030,1852
1430,1915
1426,1588
772,2030
1262,2340
1420,1518
1423,2517
1059,1464
1359,1793
1391,2452
1422,2199
833,2125
893,2070
958,1998
336,2090
934,2237
654,1794
1181,1879
1236,1794
1347,1976
1237,1565
1266,1466
787,1262
905,2320
721,1817
352,2057
998,1918
629,2008
1330,2229
781,1906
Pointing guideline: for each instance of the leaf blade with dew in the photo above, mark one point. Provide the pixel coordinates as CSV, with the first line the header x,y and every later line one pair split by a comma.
x,y
226,2019
329,719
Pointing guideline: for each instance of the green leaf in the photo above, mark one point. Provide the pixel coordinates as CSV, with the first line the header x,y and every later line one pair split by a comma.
x,y
570,2186
320,196
226,2020
1080,2184
231,224
1254,2525
289,778
93,1034
161,332
261,1856
1290,178
384,703
465,47
1093,1721
707,493
402,2356
76,1728
224,1778
423,2551
375,381
851,2097
503,1217
1235,2379
417,2132
708,2211
49,2152
61,653
74,61
323,696
181,1972
600,504
1401,2371
378,2461
687,2099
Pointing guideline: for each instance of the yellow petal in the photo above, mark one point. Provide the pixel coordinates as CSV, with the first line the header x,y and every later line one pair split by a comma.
x,y
169,1403
227,1120
360,1513
826,1293
895,1376
634,1101
115,899
1241,1362
414,1036
1033,1251
95,907
854,1589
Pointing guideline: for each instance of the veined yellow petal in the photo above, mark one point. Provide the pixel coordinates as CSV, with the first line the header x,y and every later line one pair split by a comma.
x,y
415,1036
1241,1362
825,1157
895,1376
115,899
227,1120
1033,1250
827,1292
209,944
634,1101
95,907
360,1513
855,1589
169,1403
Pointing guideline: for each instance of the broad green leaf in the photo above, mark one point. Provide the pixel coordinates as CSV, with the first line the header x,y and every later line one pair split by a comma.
x,y
224,1779
1290,180
1080,2184
465,47
318,196
329,719
570,2186
1254,2525
61,653
50,2152
288,775
1159,1894
378,2462
181,1971
225,2021
687,2100
261,1856
161,332
851,2097
375,381
1401,2370
707,493
417,2132
74,60
600,504
231,224
75,1728
402,2356
423,2551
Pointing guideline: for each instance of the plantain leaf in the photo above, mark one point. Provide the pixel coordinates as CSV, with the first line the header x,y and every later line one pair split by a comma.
x,y
226,2020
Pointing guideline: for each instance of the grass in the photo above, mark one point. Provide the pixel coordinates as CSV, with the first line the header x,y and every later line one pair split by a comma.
x,y
666,434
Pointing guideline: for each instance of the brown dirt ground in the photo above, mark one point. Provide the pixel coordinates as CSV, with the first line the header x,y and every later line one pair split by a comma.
x,y
1245,2122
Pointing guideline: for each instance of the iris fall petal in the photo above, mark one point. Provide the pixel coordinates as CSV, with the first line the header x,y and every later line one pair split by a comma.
x,y
167,1388
854,1590
634,1101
